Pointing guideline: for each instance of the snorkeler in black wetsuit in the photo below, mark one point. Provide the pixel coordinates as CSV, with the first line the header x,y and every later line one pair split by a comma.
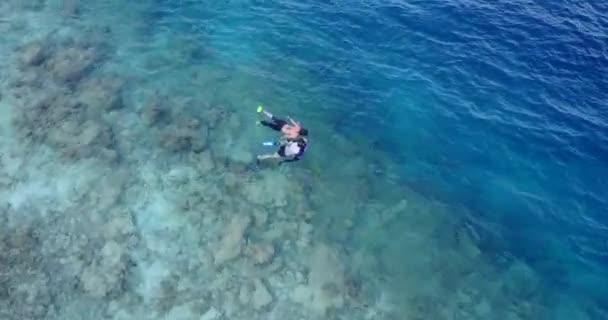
x,y
289,151
290,131
295,142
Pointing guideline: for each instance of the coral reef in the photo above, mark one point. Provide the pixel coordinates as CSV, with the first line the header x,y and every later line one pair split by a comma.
x,y
61,123
63,112
134,195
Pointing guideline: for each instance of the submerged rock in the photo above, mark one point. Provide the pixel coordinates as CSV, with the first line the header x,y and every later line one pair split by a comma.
x,y
33,54
198,144
52,117
180,175
231,244
245,294
71,64
305,231
79,141
71,8
232,181
120,225
104,275
272,190
353,287
260,218
183,140
204,162
156,110
211,314
261,297
176,141
25,287
261,253
326,284
240,156
189,122
95,133
55,117
152,114
102,94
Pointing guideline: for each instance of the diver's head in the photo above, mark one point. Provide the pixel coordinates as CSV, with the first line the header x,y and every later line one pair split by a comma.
x,y
303,132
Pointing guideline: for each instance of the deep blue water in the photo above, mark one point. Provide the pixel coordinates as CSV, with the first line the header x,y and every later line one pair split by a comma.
x,y
498,106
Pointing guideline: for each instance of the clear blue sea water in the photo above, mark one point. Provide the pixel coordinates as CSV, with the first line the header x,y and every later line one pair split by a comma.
x,y
458,165
500,107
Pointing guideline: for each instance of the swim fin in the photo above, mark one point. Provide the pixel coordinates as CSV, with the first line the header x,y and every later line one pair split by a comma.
x,y
260,109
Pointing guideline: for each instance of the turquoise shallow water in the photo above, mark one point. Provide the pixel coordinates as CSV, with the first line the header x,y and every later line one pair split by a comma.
x,y
456,167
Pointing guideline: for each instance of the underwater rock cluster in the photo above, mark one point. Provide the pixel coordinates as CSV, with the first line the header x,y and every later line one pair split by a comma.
x,y
232,238
261,253
325,288
64,103
23,283
58,105
45,266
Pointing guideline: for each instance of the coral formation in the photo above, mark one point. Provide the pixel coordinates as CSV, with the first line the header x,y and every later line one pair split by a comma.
x,y
106,274
261,253
67,115
33,54
153,113
211,314
181,140
187,135
326,286
62,123
245,294
231,243
101,94
22,282
260,297
71,64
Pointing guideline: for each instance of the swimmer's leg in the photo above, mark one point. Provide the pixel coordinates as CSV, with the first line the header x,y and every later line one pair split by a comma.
x,y
279,154
274,123
268,114
269,156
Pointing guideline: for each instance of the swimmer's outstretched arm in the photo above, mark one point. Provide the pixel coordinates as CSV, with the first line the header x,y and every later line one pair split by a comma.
x,y
294,122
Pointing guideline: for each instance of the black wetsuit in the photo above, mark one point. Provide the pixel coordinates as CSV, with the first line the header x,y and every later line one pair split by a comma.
x,y
277,125
274,123
301,143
